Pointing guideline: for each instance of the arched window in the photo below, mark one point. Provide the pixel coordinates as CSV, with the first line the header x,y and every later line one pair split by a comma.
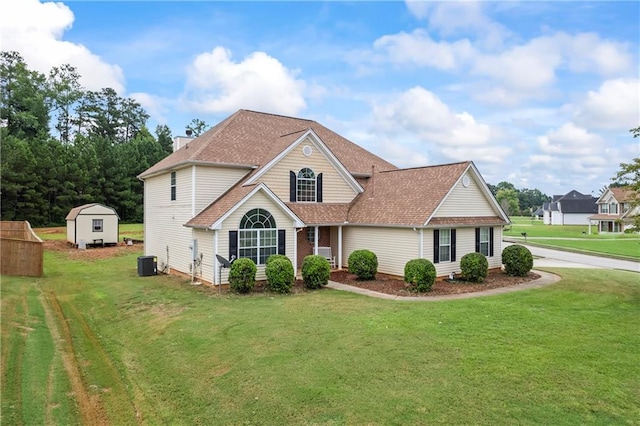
x,y
306,185
258,236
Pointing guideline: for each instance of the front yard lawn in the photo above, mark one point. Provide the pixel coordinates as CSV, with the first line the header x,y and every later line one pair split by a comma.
x,y
92,338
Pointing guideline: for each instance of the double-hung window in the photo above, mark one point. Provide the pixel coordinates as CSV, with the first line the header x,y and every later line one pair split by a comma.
x,y
257,236
173,186
484,241
306,185
445,245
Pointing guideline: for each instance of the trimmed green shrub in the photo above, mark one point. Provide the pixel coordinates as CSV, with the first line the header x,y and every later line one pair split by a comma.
x,y
517,260
474,267
315,271
420,273
363,263
242,275
274,257
280,274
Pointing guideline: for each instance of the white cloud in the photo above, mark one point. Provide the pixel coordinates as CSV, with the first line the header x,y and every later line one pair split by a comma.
x,y
421,116
572,141
35,30
155,106
615,105
418,48
218,84
460,17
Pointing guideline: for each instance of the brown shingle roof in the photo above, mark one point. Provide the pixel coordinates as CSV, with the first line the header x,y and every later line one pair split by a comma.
x,y
467,221
320,214
74,212
623,194
220,206
405,197
252,138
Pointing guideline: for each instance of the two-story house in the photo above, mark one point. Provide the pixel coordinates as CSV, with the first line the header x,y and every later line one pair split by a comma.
x,y
258,184
615,213
572,208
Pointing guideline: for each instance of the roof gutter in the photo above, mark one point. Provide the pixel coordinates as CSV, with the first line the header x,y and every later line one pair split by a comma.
x,y
187,163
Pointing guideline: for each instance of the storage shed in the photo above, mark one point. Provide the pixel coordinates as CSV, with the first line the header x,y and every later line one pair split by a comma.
x,y
93,224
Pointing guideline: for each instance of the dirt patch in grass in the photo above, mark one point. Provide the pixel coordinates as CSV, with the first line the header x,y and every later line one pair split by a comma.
x,y
390,284
90,253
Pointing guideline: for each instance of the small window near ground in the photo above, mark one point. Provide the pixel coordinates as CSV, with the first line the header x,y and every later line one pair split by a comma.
x,y
97,225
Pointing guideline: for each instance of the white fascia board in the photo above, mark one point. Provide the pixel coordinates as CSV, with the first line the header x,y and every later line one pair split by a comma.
x,y
260,187
188,163
326,152
483,187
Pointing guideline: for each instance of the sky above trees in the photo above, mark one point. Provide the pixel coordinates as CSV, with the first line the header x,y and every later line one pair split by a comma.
x,y
540,94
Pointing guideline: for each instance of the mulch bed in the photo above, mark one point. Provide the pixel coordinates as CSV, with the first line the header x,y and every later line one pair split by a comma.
x,y
390,284
90,253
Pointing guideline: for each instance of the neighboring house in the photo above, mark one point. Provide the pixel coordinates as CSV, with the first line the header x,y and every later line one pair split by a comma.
x,y
615,213
573,208
94,224
258,184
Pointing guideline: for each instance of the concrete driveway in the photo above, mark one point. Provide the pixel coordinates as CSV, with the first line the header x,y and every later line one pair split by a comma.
x,y
564,259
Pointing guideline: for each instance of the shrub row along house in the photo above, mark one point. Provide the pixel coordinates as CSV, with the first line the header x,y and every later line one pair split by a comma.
x,y
259,184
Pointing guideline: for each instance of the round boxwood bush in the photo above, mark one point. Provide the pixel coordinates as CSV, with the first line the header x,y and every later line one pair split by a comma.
x,y
363,263
274,257
420,273
517,260
242,276
315,271
474,267
279,273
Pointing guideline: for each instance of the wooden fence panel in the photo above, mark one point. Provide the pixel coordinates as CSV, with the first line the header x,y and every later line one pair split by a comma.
x,y
21,250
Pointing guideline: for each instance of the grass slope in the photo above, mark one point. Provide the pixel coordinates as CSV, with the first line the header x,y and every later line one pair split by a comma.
x,y
575,237
156,350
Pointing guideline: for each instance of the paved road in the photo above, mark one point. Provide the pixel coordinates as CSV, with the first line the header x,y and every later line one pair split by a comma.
x,y
565,259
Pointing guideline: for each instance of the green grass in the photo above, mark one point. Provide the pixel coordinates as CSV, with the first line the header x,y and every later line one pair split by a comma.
x,y
156,350
572,237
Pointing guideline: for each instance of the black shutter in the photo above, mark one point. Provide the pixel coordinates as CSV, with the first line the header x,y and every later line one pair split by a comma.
x,y
292,187
436,246
477,240
233,245
491,241
319,188
282,241
453,245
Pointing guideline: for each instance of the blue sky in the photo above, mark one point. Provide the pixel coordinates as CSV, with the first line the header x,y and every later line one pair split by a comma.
x,y
540,94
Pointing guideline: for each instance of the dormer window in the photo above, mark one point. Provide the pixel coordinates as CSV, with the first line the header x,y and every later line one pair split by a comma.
x,y
305,186
306,190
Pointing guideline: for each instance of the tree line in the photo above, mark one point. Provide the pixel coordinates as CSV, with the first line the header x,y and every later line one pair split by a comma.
x,y
64,146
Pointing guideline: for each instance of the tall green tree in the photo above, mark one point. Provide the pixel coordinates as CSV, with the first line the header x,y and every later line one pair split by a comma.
x,y
508,200
197,127
629,176
163,135
65,91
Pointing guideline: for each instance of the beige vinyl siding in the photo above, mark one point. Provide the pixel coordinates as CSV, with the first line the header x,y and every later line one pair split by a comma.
x,y
465,243
205,248
211,182
334,188
164,220
394,247
71,231
83,227
466,201
231,223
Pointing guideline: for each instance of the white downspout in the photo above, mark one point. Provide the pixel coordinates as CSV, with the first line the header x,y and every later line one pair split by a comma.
x,y
193,191
421,245
315,240
340,247
295,251
216,267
